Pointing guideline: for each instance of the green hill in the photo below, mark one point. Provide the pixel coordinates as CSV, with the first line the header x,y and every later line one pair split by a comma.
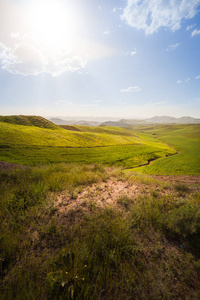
x,y
33,145
28,121
184,138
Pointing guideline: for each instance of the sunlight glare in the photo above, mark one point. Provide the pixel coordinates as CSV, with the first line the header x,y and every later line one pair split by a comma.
x,y
53,23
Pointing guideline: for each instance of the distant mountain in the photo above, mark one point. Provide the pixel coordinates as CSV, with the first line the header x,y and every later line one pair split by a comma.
x,y
59,121
115,124
87,123
127,122
172,120
153,120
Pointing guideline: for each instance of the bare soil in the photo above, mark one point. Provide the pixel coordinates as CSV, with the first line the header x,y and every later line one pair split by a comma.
x,y
9,166
112,192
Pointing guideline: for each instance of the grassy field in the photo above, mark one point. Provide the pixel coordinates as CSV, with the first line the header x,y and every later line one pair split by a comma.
x,y
35,145
88,232
76,223
186,140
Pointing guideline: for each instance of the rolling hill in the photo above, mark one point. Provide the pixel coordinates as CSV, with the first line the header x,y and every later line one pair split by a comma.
x,y
34,144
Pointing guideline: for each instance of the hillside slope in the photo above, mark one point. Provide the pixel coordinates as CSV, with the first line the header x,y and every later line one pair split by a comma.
x,y
28,121
15,134
186,139
34,145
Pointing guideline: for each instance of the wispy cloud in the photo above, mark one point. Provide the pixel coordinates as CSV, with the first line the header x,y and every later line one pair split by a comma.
x,y
131,53
195,32
150,15
134,52
25,59
197,77
186,80
173,47
106,32
190,27
131,89
115,9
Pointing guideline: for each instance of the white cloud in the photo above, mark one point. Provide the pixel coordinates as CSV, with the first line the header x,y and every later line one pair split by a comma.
x,y
115,9
131,53
14,35
150,15
131,89
106,32
197,77
172,47
190,27
195,32
134,52
186,80
25,59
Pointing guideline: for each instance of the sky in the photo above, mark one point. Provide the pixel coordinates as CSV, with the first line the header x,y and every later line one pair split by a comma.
x,y
100,58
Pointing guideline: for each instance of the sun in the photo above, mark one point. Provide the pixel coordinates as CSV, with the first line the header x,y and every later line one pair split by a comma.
x,y
53,22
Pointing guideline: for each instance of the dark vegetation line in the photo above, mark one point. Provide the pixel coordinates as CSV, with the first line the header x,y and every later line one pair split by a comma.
x,y
69,147
150,161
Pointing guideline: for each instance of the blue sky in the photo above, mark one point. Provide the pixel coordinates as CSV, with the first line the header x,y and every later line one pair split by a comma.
x,y
122,58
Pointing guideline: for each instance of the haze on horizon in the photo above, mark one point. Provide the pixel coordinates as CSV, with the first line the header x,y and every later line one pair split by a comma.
x,y
122,58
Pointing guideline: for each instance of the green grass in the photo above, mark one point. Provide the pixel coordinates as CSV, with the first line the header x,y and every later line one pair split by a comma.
x,y
143,247
28,121
32,145
186,140
126,156
55,246
35,141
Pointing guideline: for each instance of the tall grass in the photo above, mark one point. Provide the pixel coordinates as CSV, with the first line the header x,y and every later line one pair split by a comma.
x,y
143,247
25,198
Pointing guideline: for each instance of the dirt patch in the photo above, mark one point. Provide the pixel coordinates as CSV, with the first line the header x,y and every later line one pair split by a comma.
x,y
99,194
113,192
188,179
9,166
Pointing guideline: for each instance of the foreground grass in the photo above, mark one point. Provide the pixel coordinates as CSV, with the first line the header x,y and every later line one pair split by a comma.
x,y
141,247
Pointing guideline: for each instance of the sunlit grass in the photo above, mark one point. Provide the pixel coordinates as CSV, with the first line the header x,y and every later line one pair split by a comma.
x,y
143,246
33,145
186,140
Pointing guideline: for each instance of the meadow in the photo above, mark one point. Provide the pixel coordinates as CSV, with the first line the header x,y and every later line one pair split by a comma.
x,y
35,145
186,140
85,223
